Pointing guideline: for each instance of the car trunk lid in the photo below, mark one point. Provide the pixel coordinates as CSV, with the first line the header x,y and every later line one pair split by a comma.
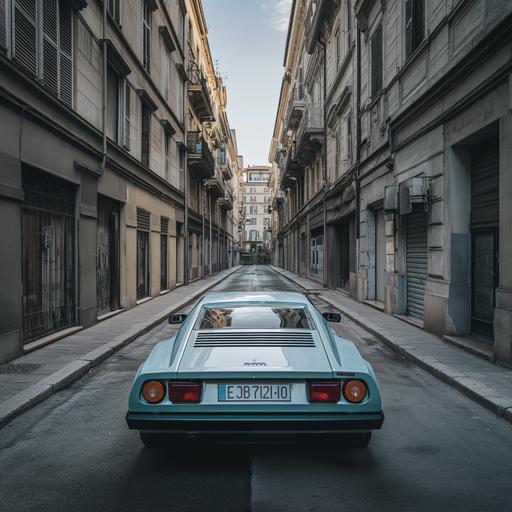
x,y
277,353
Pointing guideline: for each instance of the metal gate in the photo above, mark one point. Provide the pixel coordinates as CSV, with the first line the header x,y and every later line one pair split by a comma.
x,y
48,240
417,262
484,234
107,256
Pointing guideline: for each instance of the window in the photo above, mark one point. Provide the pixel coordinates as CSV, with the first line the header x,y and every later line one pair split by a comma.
x,y
253,235
114,9
253,190
181,166
246,199
42,43
166,74
251,221
167,154
266,221
118,108
146,35
414,25
376,61
253,199
255,317
146,133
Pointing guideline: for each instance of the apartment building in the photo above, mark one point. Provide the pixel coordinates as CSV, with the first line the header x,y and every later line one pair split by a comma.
x,y
410,213
212,157
256,204
93,161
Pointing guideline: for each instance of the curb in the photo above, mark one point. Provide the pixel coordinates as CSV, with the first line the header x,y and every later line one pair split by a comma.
x,y
469,387
36,393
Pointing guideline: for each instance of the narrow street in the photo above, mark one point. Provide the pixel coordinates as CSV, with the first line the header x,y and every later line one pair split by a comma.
x,y
438,450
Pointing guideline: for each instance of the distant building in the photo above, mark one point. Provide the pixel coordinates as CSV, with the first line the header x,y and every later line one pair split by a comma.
x,y
256,197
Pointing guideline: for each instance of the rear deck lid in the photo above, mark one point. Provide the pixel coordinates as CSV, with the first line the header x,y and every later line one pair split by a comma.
x,y
240,353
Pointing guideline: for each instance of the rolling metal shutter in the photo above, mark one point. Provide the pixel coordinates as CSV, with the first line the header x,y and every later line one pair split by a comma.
x,y
416,260
3,25
485,181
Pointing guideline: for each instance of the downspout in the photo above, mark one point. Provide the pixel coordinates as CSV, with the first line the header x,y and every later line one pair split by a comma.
x,y
104,90
358,153
202,229
185,184
324,185
210,242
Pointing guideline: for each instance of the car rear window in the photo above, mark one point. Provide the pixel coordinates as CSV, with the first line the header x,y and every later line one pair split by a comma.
x,y
254,317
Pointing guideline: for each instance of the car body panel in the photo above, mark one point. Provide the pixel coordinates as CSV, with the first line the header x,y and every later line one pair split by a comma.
x,y
331,357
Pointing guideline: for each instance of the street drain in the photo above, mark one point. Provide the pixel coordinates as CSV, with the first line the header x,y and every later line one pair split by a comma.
x,y
18,368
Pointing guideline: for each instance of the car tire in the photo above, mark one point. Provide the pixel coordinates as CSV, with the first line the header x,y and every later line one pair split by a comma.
x,y
359,441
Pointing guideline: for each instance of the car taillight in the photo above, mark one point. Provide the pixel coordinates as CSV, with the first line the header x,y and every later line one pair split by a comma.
x,y
324,391
153,391
185,392
354,390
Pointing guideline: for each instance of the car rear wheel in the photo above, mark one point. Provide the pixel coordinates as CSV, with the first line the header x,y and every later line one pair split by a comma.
x,y
358,441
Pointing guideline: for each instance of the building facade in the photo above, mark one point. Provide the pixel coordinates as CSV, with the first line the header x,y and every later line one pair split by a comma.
x,y
417,146
93,161
256,203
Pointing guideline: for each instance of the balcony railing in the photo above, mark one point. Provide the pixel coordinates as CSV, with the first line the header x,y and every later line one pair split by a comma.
x,y
295,107
310,136
199,93
200,157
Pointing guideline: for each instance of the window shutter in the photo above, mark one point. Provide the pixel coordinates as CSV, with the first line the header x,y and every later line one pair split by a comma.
x,y
376,49
66,54
50,46
3,24
408,28
419,22
143,219
24,35
127,126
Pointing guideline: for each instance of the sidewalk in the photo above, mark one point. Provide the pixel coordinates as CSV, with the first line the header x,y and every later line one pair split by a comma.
x,y
484,382
37,375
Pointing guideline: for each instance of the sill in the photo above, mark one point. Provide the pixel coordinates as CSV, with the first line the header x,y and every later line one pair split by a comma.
x,y
110,314
377,304
141,301
163,292
51,338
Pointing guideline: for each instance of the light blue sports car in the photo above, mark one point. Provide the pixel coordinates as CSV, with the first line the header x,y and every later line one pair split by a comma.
x,y
255,365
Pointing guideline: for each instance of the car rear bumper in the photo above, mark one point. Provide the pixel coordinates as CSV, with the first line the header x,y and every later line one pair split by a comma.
x,y
255,424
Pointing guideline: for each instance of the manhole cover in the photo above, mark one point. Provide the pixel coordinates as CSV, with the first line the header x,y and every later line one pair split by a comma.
x,y
18,368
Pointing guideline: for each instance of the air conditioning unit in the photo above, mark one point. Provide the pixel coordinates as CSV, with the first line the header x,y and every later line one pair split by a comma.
x,y
413,191
391,198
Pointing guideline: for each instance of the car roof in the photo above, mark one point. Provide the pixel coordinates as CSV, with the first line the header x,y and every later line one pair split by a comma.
x,y
255,297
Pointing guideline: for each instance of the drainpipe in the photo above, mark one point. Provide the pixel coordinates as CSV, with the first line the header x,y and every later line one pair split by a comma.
x,y
210,244
358,152
324,273
202,228
104,89
186,255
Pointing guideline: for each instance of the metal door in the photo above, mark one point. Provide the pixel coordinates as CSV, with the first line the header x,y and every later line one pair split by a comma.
x,y
48,252
380,255
484,235
107,256
417,262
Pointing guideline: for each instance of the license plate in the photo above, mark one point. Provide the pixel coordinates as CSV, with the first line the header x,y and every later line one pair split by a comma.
x,y
254,392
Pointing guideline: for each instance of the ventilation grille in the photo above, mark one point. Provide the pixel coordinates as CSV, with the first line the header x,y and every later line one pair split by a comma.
x,y
254,339
143,219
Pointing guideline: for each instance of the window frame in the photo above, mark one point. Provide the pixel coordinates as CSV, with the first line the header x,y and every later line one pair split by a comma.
x,y
146,19
376,84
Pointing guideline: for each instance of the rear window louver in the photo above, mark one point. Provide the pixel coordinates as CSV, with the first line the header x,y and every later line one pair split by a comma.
x,y
226,338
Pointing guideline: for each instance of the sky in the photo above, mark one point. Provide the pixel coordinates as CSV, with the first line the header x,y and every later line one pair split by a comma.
x,y
247,40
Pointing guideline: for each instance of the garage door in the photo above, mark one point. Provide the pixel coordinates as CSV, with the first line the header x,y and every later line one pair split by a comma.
x,y
416,263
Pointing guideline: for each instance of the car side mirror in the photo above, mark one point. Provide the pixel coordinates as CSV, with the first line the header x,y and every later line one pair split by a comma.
x,y
332,317
177,319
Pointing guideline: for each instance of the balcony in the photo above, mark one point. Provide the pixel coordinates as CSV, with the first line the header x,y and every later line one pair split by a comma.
x,y
317,12
310,136
295,108
215,187
291,168
226,202
199,93
200,158
226,170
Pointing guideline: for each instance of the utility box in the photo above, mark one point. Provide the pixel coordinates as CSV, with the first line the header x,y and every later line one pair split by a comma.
x,y
391,198
413,191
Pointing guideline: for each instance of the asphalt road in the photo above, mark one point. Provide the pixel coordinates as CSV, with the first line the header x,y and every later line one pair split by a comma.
x,y
438,450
